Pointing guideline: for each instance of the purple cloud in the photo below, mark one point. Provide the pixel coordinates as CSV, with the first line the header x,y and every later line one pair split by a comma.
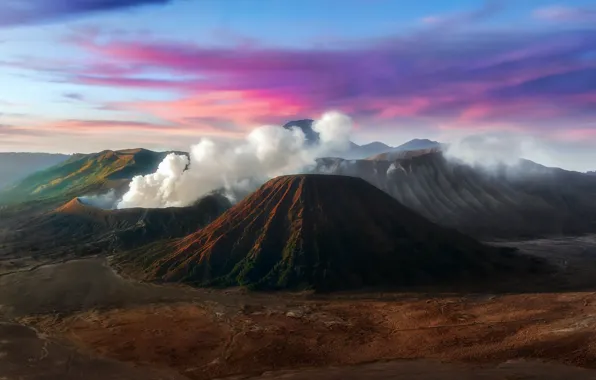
x,y
514,76
14,12
569,14
442,76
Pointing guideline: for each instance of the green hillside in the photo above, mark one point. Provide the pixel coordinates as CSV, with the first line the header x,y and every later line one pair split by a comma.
x,y
81,174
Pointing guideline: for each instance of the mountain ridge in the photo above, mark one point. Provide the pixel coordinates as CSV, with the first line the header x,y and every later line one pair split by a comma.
x,y
77,228
357,151
82,174
296,232
529,200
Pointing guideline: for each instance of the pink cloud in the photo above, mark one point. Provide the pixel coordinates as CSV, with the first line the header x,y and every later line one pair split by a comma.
x,y
538,79
377,80
242,107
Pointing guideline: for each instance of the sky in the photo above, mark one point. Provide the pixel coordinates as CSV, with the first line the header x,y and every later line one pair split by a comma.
x,y
89,75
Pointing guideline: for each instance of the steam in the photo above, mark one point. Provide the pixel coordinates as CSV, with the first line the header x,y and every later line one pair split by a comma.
x,y
266,152
106,201
494,149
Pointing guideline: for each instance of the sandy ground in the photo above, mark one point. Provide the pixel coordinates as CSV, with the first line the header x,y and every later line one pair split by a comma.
x,y
83,310
206,341
25,355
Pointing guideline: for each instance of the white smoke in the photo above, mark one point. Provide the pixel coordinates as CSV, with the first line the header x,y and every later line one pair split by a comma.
x,y
266,152
494,149
106,201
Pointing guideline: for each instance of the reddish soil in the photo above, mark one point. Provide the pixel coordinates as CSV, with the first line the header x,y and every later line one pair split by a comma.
x,y
205,342
206,334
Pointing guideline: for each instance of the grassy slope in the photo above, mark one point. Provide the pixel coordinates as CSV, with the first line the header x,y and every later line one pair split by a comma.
x,y
81,174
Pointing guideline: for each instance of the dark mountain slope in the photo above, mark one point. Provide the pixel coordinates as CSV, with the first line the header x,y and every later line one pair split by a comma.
x,y
324,232
401,154
527,201
78,228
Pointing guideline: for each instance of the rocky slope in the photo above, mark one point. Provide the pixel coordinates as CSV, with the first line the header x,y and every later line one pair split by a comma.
x,y
526,201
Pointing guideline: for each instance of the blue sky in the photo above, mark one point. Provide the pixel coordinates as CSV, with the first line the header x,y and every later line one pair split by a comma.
x,y
410,69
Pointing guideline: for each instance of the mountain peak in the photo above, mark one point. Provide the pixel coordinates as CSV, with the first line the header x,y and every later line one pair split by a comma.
x,y
418,144
306,126
376,145
301,232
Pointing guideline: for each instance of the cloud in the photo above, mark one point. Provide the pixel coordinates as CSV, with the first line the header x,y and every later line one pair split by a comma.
x,y
13,131
488,9
491,149
447,75
566,14
480,76
104,125
190,126
16,12
74,96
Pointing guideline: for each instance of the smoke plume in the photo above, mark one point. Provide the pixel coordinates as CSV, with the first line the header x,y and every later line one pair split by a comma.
x,y
106,201
494,149
266,152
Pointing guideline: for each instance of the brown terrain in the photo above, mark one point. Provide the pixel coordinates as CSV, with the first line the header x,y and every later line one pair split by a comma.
x,y
80,319
81,316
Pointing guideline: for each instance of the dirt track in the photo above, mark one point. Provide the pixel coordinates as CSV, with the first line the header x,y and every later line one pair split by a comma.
x,y
205,334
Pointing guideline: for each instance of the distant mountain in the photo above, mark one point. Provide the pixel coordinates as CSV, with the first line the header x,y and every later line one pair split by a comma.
x,y
300,232
528,201
418,144
305,125
76,228
410,149
362,151
591,173
354,152
16,166
401,154
82,174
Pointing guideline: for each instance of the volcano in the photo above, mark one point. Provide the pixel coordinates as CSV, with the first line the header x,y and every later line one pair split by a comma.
x,y
322,232
82,229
